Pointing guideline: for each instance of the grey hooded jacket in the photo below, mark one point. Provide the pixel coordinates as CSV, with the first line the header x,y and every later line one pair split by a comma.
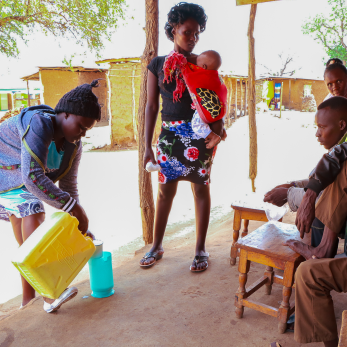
x,y
24,142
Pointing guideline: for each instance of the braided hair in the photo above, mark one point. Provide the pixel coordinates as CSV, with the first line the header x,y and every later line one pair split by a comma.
x,y
180,13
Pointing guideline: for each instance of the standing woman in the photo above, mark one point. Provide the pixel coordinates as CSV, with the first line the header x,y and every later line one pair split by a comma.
x,y
181,153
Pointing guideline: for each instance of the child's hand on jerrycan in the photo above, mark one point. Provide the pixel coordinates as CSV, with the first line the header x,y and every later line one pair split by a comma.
x,y
81,216
90,234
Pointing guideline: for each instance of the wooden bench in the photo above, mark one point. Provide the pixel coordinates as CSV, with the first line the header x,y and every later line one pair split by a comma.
x,y
247,214
265,246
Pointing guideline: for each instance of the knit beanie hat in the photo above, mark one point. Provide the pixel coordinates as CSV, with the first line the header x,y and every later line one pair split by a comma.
x,y
81,101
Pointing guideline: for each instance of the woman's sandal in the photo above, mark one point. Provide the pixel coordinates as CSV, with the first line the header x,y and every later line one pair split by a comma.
x,y
198,260
155,255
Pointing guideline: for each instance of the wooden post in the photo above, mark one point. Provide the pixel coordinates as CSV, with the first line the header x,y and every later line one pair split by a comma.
x,y
235,100
145,182
28,93
241,90
290,91
253,148
281,99
246,101
9,101
230,101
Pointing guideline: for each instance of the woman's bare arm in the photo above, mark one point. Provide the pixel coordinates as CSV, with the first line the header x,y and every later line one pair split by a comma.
x,y
151,115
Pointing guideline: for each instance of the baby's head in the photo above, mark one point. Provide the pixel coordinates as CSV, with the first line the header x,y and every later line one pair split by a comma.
x,y
209,60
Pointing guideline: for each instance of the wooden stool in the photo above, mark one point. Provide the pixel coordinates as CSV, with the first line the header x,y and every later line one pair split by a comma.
x,y
246,214
264,246
343,331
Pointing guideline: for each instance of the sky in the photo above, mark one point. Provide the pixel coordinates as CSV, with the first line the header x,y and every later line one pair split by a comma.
x,y
277,30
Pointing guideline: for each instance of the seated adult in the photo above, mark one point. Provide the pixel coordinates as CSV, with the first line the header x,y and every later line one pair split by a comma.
x,y
331,121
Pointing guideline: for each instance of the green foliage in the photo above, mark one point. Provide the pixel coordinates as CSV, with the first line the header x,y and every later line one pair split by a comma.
x,y
89,21
330,29
68,60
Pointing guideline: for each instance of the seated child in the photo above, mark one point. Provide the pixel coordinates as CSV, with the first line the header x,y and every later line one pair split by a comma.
x,y
39,147
213,132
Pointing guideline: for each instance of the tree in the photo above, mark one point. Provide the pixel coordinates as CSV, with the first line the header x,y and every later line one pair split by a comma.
x,y
330,30
83,20
145,182
286,60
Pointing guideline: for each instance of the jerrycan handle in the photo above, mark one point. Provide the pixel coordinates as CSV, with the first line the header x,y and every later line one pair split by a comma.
x,y
89,235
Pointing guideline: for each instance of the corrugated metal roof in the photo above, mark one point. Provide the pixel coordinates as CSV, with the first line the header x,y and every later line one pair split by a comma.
x,y
288,78
234,76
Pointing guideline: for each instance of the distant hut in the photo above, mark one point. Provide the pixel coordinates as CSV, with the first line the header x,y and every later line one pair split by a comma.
x,y
56,81
123,85
294,90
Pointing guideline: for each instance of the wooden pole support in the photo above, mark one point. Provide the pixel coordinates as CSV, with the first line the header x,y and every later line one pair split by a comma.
x,y
253,148
281,100
236,99
241,96
28,93
145,181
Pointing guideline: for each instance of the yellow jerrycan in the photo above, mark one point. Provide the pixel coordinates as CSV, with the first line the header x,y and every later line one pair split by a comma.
x,y
53,255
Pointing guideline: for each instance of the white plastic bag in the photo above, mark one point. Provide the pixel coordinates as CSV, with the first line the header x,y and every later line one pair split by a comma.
x,y
275,213
150,167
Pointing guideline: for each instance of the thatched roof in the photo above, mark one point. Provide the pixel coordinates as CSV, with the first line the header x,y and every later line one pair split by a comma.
x,y
120,60
36,76
33,77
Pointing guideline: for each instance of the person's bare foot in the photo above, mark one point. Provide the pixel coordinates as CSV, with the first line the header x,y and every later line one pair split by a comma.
x,y
224,135
212,140
148,261
303,249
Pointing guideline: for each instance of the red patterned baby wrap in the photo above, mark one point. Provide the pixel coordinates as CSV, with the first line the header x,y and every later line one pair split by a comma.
x,y
208,92
206,88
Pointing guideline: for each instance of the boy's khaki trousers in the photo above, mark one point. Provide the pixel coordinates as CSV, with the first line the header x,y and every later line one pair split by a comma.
x,y
314,310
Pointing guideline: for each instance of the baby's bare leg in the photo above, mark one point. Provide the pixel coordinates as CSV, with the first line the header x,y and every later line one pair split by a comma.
x,y
217,127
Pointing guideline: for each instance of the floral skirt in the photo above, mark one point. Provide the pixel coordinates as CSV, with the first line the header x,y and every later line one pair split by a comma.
x,y
182,154
20,203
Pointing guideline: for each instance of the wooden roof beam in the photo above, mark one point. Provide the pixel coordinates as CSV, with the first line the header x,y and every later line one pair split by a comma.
x,y
251,2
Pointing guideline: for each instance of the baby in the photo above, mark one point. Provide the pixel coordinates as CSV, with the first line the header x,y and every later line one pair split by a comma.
x,y
214,132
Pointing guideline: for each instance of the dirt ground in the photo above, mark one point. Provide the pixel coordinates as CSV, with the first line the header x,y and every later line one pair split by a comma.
x,y
165,305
